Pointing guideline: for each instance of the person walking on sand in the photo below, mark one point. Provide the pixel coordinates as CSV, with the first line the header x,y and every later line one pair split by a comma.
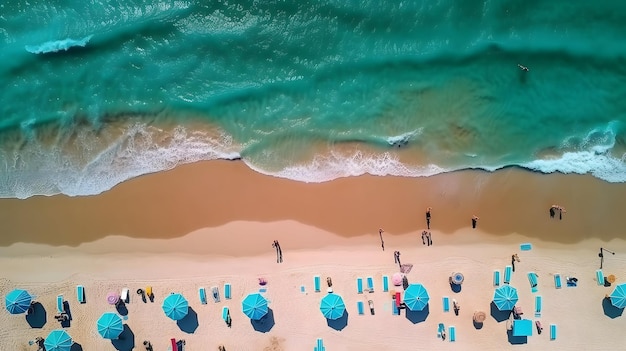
x,y
474,221
380,233
423,237
428,217
430,238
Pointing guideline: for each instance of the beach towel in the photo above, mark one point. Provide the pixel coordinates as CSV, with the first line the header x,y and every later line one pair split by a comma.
x,y
440,330
537,306
557,281
525,247
394,309
532,279
446,304
508,271
600,277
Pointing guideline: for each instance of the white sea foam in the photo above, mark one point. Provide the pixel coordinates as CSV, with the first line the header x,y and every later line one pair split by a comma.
x,y
57,45
403,138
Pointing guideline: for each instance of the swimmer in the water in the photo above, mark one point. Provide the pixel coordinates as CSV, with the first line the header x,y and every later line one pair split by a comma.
x,y
524,68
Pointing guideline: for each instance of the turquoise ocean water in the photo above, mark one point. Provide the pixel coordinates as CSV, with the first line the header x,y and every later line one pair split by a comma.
x,y
96,92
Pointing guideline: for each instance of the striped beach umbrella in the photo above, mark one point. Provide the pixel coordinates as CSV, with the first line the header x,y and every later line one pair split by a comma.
x,y
58,340
332,306
416,297
175,306
18,301
505,297
110,325
618,296
254,306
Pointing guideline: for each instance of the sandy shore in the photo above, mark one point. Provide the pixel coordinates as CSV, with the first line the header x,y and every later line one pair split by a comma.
x,y
209,223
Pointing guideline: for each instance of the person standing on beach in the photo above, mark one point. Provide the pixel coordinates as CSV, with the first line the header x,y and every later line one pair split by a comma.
x,y
428,217
380,233
474,221
430,238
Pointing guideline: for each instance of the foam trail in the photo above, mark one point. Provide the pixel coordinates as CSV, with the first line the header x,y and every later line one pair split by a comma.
x,y
58,45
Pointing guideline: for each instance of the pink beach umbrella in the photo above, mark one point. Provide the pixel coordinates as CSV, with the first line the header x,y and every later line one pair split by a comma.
x,y
396,279
113,298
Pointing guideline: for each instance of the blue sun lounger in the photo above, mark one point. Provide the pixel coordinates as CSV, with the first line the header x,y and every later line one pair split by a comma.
x,y
600,277
320,345
385,283
359,285
552,331
227,291
394,309
508,271
452,333
440,329
202,295
60,308
537,306
496,278
359,307
370,284
532,279
446,304
80,293
317,283
557,281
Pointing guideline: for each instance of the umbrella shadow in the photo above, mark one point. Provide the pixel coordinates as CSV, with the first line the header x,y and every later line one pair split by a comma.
x,y
266,323
37,318
189,323
610,310
478,325
121,308
499,316
418,316
339,323
455,288
76,347
126,340
516,340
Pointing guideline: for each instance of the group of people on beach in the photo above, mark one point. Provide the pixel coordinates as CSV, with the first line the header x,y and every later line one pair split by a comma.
x,y
555,208
427,238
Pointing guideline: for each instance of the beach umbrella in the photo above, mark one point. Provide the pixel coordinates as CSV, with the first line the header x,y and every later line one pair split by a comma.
x,y
332,306
479,316
254,306
58,340
110,325
618,296
457,278
18,301
175,306
416,297
396,279
113,298
505,297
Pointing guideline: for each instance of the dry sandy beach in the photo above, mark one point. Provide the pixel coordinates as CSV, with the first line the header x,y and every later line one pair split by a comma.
x,y
176,231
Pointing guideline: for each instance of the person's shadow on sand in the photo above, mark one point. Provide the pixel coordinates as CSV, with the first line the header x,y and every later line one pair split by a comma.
x,y
37,318
121,308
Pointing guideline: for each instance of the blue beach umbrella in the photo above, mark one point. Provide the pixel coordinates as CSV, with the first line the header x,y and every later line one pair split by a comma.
x,y
175,306
618,296
416,297
254,306
18,301
332,306
505,297
58,340
110,325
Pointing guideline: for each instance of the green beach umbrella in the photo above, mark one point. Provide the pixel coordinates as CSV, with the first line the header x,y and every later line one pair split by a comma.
x,y
110,325
254,306
618,296
505,297
416,297
332,306
175,306
18,301
58,340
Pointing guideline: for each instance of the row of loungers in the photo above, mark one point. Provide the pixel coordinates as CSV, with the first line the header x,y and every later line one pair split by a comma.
x,y
317,284
215,292
508,273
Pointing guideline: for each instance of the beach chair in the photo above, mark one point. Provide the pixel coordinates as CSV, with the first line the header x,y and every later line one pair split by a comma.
x,y
202,294
532,279
124,295
174,344
508,271
359,285
60,308
385,283
600,277
446,304
441,329
227,294
80,293
526,246
394,309
552,331
557,281
537,306
496,278
359,307
370,284
317,283
319,345
149,293
452,333
216,294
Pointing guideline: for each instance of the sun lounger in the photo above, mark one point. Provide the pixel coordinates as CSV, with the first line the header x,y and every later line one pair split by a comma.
x,y
60,308
394,309
216,294
359,285
557,281
385,283
317,283
319,345
227,291
552,331
80,293
532,279
446,304
526,246
370,284
225,313
496,278
600,277
452,333
174,344
202,294
398,299
537,306
124,295
441,329
508,271
359,307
